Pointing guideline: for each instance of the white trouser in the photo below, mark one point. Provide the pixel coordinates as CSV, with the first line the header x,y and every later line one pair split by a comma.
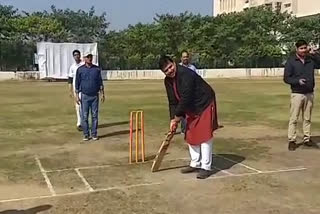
x,y
78,111
201,155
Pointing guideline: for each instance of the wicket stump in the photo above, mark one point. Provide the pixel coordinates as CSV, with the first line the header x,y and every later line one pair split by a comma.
x,y
137,126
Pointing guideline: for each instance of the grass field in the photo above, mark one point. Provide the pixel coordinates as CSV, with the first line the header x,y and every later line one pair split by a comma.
x,y
253,171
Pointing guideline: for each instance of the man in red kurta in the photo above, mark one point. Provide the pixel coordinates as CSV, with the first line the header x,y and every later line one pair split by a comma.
x,y
191,97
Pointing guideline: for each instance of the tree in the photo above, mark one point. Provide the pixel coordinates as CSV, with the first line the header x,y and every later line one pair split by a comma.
x,y
81,26
112,51
257,37
7,27
173,31
37,28
307,28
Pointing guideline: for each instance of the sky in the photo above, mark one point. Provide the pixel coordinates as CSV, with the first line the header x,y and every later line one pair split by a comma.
x,y
120,13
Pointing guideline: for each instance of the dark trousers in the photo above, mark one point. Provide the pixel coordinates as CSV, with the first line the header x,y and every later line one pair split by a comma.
x,y
90,103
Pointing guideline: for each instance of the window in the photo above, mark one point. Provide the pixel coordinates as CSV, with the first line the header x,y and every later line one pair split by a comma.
x,y
278,6
287,5
269,5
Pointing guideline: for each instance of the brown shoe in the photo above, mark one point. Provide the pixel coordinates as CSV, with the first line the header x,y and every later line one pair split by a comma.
x,y
189,169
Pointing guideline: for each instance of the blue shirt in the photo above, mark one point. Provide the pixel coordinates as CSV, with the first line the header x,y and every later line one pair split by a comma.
x,y
89,80
190,66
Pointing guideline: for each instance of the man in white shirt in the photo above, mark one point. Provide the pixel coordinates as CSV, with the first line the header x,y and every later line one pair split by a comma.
x,y
71,82
185,61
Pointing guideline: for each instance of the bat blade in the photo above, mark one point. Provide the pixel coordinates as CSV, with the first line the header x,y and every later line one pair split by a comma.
x,y
162,151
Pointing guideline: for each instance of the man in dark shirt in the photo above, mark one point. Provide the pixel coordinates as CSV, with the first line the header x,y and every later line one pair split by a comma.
x,y
191,97
89,82
299,74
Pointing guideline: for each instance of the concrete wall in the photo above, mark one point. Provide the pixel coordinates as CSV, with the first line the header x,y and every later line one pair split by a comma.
x,y
132,74
4,75
205,73
19,75
157,74
29,75
242,73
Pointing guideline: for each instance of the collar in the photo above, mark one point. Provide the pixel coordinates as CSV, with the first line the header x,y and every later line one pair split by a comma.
x,y
303,60
185,65
77,64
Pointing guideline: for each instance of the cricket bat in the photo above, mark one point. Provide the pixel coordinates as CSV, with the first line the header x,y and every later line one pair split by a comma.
x,y
162,151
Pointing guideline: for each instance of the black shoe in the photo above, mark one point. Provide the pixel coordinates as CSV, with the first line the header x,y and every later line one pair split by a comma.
x,y
203,174
310,144
189,169
292,146
86,138
79,128
307,141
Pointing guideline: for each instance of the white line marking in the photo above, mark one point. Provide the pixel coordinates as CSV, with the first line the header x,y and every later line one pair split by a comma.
x,y
241,164
46,178
129,187
80,168
262,172
105,166
86,183
284,170
43,197
253,173
96,167
152,184
81,192
60,170
224,171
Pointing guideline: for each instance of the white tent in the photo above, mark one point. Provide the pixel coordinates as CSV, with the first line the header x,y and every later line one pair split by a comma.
x,y
55,59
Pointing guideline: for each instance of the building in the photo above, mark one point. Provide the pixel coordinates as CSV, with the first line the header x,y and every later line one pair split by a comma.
x,y
299,8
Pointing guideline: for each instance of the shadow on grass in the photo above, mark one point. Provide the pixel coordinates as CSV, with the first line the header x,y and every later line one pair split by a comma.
x,y
150,158
106,125
225,161
315,143
33,210
171,168
112,134
219,162
316,139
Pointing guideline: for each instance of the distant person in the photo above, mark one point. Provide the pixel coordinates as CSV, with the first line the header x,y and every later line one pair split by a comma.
x,y
71,82
90,84
299,74
189,95
185,61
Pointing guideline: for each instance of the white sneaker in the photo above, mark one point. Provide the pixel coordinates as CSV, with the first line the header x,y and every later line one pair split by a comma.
x,y
95,138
